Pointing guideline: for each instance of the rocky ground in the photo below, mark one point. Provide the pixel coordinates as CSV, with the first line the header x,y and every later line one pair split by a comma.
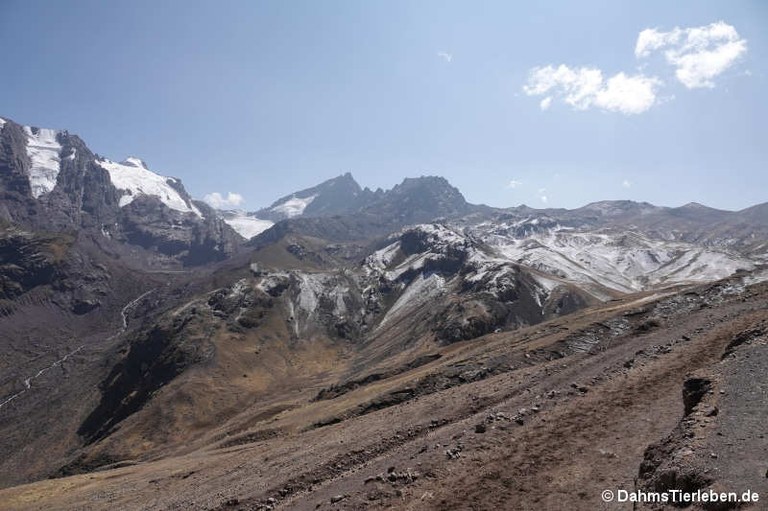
x,y
655,391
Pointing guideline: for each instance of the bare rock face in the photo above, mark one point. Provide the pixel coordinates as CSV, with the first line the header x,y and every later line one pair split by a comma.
x,y
24,264
14,163
73,191
190,239
49,267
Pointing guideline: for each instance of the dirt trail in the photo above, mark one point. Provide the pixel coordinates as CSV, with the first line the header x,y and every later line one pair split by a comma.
x,y
121,330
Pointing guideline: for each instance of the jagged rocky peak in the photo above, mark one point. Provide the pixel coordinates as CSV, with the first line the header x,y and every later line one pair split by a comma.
x,y
340,210
415,199
434,186
421,199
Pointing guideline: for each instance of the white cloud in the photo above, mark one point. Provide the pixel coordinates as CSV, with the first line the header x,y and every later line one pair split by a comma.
x,y
651,40
626,183
215,199
584,88
576,86
699,54
448,57
542,196
543,199
628,94
514,183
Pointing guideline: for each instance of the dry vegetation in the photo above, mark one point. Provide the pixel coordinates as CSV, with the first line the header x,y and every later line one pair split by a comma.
x,y
544,417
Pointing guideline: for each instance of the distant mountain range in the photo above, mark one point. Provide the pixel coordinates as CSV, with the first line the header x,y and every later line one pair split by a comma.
x,y
137,323
51,180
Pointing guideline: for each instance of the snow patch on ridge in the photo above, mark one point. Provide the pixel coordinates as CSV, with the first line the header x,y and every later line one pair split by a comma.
x,y
245,225
381,259
420,291
317,287
133,179
43,150
310,290
294,206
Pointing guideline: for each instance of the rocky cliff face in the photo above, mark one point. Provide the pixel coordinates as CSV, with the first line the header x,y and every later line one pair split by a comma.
x,y
50,180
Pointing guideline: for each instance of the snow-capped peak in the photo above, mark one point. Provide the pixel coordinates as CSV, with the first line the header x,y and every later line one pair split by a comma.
x,y
132,178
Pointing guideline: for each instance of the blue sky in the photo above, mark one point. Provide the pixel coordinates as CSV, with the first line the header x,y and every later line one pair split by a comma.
x,y
265,98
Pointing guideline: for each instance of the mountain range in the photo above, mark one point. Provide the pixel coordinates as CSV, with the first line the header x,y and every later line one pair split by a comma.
x,y
151,337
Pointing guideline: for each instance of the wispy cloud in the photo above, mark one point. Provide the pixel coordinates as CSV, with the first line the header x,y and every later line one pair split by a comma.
x,y
514,183
626,183
216,200
699,54
542,195
583,88
448,57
